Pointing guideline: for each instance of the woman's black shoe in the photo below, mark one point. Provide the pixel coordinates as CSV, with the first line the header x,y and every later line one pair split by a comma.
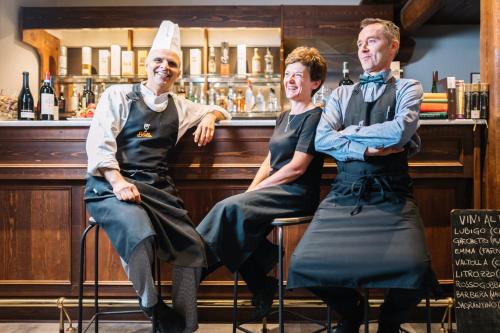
x,y
263,299
388,327
348,326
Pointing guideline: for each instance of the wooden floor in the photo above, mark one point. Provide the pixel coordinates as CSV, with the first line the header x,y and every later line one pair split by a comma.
x,y
140,327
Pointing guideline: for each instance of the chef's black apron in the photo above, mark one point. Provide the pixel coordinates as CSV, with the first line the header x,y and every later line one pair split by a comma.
x,y
143,147
367,232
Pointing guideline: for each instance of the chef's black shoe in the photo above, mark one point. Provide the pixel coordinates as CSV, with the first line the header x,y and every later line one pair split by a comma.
x,y
263,299
167,319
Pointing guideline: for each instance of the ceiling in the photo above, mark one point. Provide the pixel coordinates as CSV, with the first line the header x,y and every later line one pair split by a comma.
x,y
448,12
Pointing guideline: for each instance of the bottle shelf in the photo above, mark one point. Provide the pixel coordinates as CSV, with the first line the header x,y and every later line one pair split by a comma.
x,y
211,78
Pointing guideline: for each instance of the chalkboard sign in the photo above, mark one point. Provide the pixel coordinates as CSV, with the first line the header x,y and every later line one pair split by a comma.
x,y
476,270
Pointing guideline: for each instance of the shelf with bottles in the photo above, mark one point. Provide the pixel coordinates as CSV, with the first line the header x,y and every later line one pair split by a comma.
x,y
210,78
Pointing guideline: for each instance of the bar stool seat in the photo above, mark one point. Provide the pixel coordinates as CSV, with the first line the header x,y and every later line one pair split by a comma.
x,y
280,223
97,313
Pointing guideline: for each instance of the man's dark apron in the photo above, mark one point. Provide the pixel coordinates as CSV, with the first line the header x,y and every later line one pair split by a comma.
x,y
143,147
367,232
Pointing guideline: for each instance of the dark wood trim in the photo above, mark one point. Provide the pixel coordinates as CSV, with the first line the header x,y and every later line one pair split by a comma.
x,y
417,12
149,17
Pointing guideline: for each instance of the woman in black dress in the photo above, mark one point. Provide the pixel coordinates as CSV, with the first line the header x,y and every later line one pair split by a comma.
x,y
286,184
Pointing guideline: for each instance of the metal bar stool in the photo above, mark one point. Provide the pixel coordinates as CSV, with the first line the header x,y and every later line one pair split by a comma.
x,y
280,223
402,330
97,313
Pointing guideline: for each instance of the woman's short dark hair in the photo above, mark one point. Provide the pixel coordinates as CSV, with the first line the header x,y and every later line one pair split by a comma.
x,y
312,59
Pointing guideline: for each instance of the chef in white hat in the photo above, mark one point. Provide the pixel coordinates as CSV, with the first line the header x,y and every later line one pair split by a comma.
x,y
129,191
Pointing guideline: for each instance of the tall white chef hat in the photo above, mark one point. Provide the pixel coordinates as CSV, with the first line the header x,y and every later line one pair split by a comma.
x,y
168,37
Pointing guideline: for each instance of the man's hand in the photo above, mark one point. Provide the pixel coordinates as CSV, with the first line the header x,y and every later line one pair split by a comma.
x,y
126,191
123,190
205,131
382,151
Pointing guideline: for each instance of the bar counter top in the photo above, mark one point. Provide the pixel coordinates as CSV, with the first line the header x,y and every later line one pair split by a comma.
x,y
225,123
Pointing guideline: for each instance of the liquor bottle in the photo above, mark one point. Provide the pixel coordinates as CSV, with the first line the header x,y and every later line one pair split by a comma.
x,y
181,91
467,88
25,102
484,100
46,100
231,100
460,99
190,94
256,68
452,97
240,101
222,99
224,59
212,96
212,69
88,96
202,99
475,111
61,103
86,60
260,103
346,81
63,61
249,97
268,59
272,103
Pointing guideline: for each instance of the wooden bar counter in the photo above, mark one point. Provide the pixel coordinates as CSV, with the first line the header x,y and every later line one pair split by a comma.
x,y
42,176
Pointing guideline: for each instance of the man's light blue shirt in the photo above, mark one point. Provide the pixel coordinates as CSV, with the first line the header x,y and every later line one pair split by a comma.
x,y
351,142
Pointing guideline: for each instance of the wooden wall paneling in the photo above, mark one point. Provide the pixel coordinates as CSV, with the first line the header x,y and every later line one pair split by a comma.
x,y
447,151
35,234
43,153
489,57
435,199
47,47
148,17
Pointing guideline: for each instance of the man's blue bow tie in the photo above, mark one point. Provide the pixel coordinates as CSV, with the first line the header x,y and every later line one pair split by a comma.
x,y
364,79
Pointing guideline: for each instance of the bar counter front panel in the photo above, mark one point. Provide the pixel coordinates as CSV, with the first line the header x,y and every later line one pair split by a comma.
x,y
42,172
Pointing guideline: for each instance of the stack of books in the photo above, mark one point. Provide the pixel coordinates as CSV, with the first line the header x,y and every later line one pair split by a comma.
x,y
434,106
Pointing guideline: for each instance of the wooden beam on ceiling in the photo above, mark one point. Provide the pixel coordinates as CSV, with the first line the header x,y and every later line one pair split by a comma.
x,y
417,12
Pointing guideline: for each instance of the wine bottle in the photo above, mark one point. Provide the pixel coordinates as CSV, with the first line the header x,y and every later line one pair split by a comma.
x,y
25,102
434,82
88,96
346,81
46,99
61,103
56,104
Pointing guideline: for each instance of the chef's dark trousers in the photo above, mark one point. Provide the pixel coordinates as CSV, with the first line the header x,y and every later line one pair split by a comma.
x,y
396,309
185,282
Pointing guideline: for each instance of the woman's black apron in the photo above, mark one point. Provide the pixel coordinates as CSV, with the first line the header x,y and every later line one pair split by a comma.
x,y
367,232
143,147
236,227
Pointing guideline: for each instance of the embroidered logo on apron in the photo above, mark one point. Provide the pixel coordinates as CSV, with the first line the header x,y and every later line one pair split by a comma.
x,y
145,133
